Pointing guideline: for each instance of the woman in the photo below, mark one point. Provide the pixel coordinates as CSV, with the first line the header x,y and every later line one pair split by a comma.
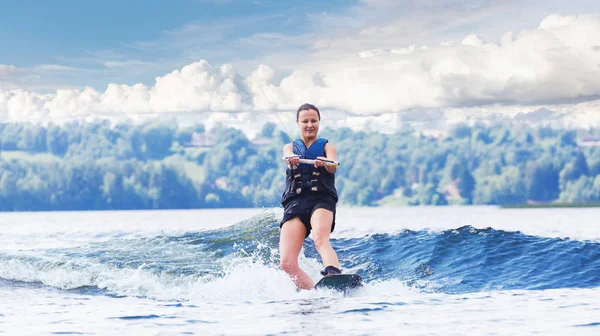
x,y
309,199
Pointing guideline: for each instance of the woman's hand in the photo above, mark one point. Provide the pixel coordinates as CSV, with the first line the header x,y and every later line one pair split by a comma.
x,y
320,163
293,161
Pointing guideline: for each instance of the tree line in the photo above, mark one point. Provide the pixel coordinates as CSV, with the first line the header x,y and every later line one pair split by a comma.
x,y
163,165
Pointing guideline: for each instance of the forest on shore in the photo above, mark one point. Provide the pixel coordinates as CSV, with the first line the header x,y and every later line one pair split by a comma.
x,y
161,165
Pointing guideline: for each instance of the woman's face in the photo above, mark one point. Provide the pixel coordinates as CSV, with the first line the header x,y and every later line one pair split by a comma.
x,y
308,122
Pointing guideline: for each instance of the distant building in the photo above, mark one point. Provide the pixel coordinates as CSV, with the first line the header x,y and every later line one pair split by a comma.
x,y
588,141
200,140
262,142
431,133
452,191
221,183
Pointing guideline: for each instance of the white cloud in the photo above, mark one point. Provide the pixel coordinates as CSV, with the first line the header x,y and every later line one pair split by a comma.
x,y
555,65
124,64
555,62
10,71
54,67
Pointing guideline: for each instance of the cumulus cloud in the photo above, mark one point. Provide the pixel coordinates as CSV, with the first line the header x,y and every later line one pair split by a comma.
x,y
556,64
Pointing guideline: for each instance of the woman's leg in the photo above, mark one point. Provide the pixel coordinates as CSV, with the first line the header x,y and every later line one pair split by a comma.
x,y
321,222
290,244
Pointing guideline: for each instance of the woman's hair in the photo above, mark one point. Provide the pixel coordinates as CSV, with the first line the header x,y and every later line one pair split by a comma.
x,y
306,107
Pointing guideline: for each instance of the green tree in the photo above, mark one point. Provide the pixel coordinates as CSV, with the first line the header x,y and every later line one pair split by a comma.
x,y
158,140
57,140
541,181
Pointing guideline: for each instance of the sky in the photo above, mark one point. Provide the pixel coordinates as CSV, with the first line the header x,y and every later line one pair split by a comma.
x,y
367,64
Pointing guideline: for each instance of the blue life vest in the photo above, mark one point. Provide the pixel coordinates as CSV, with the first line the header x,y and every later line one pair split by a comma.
x,y
305,178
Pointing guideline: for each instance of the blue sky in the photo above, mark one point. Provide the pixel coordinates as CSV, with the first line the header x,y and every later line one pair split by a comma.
x,y
89,35
58,28
368,62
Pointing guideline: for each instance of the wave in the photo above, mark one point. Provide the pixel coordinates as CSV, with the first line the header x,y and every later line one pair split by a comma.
x,y
467,259
242,260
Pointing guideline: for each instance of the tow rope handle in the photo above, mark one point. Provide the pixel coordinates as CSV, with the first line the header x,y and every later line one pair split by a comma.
x,y
328,162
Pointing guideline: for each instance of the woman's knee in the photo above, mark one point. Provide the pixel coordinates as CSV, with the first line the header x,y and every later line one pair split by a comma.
x,y
321,240
289,265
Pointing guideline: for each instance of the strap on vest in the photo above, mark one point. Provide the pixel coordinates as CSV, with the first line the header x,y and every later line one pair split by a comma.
x,y
304,181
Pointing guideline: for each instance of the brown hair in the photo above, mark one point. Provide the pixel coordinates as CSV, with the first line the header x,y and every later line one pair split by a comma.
x,y
306,107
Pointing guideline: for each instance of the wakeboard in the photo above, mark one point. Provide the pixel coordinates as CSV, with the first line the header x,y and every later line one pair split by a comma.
x,y
340,282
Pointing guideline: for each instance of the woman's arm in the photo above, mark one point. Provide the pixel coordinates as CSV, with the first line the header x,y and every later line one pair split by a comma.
x,y
331,154
288,150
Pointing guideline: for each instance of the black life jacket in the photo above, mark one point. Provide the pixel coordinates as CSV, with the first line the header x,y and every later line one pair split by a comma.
x,y
305,178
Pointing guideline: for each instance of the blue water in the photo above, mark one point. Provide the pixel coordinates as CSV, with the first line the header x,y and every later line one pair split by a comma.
x,y
155,278
474,260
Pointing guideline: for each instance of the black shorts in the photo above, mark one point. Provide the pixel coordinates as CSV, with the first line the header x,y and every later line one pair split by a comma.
x,y
304,207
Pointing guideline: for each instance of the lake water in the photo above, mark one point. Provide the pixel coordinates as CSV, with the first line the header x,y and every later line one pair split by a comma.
x,y
427,271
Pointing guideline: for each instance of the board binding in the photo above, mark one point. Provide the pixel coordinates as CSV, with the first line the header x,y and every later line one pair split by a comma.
x,y
340,282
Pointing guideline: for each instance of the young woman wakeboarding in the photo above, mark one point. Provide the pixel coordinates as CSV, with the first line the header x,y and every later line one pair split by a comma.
x,y
309,199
